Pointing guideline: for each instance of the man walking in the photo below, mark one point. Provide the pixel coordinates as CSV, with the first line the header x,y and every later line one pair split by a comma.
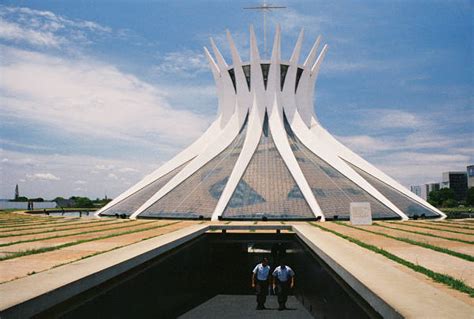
x,y
283,282
260,276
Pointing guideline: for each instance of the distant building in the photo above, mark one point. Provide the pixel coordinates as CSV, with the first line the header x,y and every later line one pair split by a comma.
x,y
470,176
416,189
424,190
17,192
457,181
433,187
420,191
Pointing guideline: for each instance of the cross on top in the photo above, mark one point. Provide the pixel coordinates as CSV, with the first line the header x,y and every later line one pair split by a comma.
x,y
264,7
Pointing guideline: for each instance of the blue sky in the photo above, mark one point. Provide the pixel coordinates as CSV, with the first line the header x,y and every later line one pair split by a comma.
x,y
96,94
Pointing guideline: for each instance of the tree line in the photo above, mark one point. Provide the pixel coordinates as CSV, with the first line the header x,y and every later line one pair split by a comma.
x,y
73,201
445,198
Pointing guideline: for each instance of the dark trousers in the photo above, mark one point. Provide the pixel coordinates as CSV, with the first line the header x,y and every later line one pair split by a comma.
x,y
282,291
261,290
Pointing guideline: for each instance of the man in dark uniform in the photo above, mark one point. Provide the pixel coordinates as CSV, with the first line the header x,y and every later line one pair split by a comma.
x,y
283,282
260,275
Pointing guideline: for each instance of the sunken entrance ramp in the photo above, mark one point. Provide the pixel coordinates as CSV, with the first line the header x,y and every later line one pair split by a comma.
x,y
243,306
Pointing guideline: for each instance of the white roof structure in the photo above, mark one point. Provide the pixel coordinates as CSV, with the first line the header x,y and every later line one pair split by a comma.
x,y
266,156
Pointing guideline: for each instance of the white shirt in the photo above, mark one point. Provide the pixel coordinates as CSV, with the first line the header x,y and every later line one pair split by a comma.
x,y
283,274
262,271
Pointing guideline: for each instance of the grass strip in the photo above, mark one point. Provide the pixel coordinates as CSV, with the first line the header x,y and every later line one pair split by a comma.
x,y
27,222
8,229
16,216
447,280
58,223
440,224
77,242
455,225
16,220
433,228
426,234
50,231
414,242
84,257
41,221
69,235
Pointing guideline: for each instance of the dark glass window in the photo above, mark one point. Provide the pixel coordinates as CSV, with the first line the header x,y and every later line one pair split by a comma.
x,y
131,203
265,69
247,69
333,191
283,72
299,72
198,194
267,188
407,205
232,77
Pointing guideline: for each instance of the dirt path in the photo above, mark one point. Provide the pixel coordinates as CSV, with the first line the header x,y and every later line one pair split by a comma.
x,y
67,231
22,266
37,223
130,226
49,226
412,228
448,228
444,243
439,262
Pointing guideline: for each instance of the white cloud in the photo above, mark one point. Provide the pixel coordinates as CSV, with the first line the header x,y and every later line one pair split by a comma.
x,y
364,144
381,119
411,147
104,167
416,158
112,176
128,170
44,28
185,63
93,98
80,182
422,141
343,66
23,145
14,32
71,169
414,168
43,176
397,119
291,21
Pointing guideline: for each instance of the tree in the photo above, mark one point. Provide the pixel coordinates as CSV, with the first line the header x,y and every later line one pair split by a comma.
x,y
450,203
438,197
470,197
83,202
21,199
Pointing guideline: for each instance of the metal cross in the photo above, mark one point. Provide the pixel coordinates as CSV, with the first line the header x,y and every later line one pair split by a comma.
x,y
265,8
